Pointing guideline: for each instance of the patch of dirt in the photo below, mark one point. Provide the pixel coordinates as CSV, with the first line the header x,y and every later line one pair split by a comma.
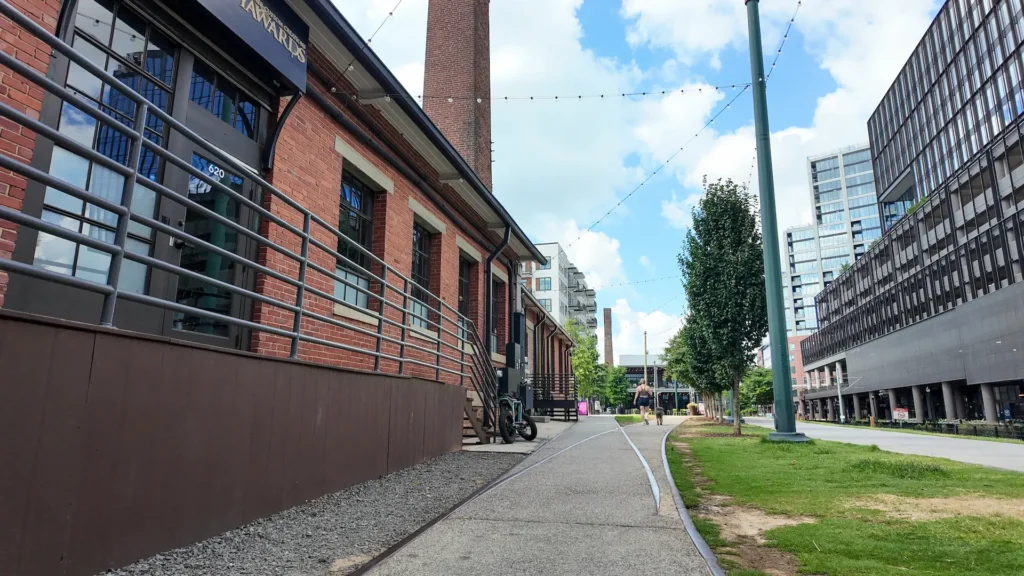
x,y
348,564
935,508
739,523
767,560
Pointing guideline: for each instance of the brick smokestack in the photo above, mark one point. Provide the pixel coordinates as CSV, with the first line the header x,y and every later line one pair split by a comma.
x,y
608,358
458,65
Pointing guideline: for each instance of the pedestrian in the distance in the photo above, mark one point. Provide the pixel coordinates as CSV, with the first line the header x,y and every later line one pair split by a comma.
x,y
642,398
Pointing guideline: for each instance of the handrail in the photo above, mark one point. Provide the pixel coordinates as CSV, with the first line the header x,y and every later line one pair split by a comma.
x,y
450,329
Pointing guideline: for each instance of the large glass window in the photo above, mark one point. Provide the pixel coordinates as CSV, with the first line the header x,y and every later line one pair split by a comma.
x,y
117,39
192,291
218,96
546,265
543,284
355,221
421,239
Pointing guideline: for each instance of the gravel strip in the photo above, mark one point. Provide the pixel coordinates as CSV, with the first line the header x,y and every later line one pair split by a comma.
x,y
339,532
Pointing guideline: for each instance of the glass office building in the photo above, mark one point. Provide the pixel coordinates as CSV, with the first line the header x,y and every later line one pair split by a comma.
x,y
842,189
959,89
940,298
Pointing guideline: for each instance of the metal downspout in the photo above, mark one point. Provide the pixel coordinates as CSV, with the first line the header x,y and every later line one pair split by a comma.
x,y
489,279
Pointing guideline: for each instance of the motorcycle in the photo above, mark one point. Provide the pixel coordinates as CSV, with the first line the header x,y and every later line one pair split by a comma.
x,y
513,420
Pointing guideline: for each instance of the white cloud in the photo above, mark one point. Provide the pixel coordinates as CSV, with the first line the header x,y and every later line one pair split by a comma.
x,y
699,30
628,328
679,212
596,254
862,44
550,158
646,263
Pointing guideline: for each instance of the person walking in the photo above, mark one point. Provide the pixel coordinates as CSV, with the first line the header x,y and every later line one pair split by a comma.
x,y
642,398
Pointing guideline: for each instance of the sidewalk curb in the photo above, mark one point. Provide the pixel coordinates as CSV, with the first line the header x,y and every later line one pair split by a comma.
x,y
705,551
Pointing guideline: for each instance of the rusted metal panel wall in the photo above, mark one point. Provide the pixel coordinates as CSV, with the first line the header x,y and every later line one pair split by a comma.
x,y
114,447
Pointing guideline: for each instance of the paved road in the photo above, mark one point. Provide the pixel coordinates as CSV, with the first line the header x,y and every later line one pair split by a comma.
x,y
994,454
589,510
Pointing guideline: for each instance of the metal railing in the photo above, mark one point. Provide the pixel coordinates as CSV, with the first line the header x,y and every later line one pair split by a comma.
x,y
457,350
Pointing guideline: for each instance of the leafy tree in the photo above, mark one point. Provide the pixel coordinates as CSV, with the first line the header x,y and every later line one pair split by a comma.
x,y
677,358
616,386
584,358
723,272
756,389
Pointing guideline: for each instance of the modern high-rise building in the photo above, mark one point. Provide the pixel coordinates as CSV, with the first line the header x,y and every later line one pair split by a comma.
x,y
933,315
842,191
561,288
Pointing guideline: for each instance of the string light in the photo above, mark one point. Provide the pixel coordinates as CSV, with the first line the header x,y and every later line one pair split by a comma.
x,y
638,282
610,96
663,164
782,43
366,45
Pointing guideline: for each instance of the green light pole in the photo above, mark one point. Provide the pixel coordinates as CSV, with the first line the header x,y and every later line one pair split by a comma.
x,y
785,421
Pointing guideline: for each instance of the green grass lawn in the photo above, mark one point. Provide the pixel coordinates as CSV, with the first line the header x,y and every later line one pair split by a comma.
x,y
624,419
839,486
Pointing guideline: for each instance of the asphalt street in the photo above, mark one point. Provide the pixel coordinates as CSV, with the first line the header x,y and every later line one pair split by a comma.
x,y
589,509
995,454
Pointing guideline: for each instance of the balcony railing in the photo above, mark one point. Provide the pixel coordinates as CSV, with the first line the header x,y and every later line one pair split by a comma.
x,y
457,350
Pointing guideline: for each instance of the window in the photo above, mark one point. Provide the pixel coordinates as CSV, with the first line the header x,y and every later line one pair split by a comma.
x,y
355,221
543,284
545,266
218,96
421,276
546,303
465,283
792,347
497,312
118,40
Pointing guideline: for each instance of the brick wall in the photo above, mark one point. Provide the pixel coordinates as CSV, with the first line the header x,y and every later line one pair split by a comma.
x,y
16,141
308,169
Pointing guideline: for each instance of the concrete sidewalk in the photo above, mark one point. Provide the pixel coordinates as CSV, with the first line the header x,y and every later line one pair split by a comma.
x,y
587,510
993,454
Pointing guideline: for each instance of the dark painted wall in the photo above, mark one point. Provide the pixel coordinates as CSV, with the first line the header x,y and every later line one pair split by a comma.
x,y
117,446
973,342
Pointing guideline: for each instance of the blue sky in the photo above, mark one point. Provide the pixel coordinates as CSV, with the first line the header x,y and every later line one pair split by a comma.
x,y
561,165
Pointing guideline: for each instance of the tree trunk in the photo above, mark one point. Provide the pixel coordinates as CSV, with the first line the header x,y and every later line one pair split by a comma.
x,y
721,404
736,407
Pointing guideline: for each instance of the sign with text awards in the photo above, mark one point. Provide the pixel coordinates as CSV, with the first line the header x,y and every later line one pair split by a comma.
x,y
270,28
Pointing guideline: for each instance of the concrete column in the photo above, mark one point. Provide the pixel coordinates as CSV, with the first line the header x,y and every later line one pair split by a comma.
x,y
873,404
816,410
929,408
831,409
856,406
918,393
948,401
961,404
828,375
800,405
893,403
988,400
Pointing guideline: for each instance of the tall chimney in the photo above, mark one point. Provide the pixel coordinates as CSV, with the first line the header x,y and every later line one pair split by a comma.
x,y
458,66
608,359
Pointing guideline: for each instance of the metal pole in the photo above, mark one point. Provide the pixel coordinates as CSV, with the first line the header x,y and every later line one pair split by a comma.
x,y
121,234
785,422
300,295
644,379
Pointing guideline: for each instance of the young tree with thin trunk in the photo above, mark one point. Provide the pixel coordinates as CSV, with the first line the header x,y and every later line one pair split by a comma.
x,y
723,271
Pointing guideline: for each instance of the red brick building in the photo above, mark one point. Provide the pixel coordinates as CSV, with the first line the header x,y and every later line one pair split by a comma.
x,y
399,197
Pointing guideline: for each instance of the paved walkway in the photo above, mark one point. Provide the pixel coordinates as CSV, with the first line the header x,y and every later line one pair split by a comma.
x,y
994,454
588,510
